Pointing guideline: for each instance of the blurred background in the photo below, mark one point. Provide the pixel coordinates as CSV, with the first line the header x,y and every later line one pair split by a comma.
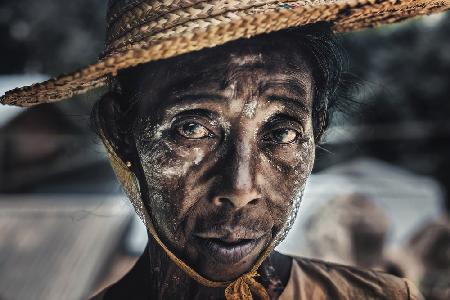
x,y
379,196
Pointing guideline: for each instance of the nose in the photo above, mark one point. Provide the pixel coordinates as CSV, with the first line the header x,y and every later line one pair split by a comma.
x,y
238,187
237,200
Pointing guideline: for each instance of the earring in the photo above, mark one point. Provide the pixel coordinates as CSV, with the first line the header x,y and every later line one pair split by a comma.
x,y
128,163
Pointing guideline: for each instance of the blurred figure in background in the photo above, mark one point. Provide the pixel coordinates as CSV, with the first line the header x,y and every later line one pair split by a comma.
x,y
431,247
351,230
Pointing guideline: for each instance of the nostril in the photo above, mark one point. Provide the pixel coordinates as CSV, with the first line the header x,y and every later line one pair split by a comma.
x,y
235,201
224,201
254,201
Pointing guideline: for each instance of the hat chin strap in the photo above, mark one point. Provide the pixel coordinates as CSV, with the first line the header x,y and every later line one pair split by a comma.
x,y
239,289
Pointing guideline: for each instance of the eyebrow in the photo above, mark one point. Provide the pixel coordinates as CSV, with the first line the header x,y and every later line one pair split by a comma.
x,y
199,112
180,100
297,89
293,86
291,103
183,98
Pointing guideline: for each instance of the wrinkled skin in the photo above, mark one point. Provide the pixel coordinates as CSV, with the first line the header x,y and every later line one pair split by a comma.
x,y
224,150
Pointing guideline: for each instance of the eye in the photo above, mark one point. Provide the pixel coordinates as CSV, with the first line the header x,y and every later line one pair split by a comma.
x,y
282,136
193,130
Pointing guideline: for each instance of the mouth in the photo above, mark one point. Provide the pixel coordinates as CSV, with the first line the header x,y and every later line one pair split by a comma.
x,y
227,251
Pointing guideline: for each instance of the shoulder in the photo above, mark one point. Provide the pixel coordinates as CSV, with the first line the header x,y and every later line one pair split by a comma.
x,y
346,282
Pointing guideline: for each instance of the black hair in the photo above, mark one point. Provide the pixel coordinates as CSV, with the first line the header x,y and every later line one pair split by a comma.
x,y
316,41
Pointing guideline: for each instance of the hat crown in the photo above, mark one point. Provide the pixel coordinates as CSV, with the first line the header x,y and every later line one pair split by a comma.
x,y
133,21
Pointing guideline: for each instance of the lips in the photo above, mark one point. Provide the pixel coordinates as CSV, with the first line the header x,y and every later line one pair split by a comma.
x,y
227,251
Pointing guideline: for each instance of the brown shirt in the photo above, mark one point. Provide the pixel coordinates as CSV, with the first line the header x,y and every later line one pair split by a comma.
x,y
313,279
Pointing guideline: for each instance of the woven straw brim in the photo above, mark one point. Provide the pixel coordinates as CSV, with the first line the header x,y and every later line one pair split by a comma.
x,y
209,30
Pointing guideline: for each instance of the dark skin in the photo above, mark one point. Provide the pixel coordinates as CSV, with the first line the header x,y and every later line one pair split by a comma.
x,y
222,152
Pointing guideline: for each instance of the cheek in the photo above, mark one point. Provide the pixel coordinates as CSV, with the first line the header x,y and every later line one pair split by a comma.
x,y
283,179
294,161
167,164
180,162
303,161
167,168
154,157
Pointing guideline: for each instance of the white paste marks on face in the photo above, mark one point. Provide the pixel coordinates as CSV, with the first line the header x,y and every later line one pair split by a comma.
x,y
250,108
158,131
234,104
238,85
305,169
181,167
243,176
199,155
246,60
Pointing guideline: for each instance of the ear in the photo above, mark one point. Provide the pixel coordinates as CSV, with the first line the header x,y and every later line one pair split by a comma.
x,y
110,122
114,124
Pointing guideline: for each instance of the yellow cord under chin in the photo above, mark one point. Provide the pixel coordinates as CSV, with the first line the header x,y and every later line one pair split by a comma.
x,y
240,289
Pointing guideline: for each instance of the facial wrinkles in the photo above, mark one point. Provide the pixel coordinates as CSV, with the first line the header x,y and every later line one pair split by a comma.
x,y
243,83
151,158
299,170
234,103
252,96
250,106
188,156
245,86
164,164
155,153
243,104
174,172
306,164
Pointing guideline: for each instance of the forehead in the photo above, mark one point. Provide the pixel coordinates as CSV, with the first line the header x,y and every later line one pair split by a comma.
x,y
246,65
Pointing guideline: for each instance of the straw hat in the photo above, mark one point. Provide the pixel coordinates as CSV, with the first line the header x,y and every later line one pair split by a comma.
x,y
141,31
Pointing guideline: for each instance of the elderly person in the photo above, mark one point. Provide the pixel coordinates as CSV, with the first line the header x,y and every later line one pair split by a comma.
x,y
213,136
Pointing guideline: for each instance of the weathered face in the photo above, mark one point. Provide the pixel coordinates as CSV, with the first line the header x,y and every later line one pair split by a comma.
x,y
225,150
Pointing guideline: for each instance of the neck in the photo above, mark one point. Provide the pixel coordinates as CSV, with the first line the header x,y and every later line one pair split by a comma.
x,y
155,276
170,282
